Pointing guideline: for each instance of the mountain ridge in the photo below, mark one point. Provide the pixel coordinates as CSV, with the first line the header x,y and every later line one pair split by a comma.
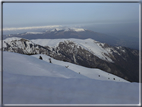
x,y
119,61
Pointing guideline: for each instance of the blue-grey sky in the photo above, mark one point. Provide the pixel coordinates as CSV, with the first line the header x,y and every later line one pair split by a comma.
x,y
107,15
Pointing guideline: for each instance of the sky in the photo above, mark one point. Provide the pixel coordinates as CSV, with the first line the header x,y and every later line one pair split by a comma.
x,y
110,18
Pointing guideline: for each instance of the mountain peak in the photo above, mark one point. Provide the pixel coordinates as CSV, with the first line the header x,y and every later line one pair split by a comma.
x,y
67,29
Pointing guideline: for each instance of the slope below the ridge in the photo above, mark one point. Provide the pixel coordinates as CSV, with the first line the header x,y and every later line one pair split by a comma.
x,y
91,73
26,65
28,80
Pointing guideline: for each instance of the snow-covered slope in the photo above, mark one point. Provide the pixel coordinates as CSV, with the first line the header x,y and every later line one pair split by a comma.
x,y
28,80
35,67
88,72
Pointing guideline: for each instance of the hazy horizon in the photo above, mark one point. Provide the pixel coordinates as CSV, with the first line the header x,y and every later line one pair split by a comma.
x,y
109,18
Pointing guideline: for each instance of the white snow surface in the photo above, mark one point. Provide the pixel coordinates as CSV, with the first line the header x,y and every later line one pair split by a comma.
x,y
28,80
35,67
91,73
88,44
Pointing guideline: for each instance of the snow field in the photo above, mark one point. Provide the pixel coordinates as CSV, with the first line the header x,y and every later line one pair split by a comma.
x,y
22,89
91,73
29,80
27,65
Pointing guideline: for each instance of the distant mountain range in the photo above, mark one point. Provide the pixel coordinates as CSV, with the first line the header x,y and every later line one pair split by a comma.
x,y
120,61
79,33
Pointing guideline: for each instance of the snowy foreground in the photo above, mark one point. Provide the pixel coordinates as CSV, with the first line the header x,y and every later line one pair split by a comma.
x,y
29,80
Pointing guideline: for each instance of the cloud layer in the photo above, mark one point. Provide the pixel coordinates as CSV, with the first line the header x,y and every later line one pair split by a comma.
x,y
33,27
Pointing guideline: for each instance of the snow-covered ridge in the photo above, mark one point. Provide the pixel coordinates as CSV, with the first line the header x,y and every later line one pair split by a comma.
x,y
8,40
88,44
20,45
98,49
18,41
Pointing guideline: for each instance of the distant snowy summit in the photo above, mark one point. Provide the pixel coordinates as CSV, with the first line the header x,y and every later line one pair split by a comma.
x,y
55,30
67,29
46,32
58,29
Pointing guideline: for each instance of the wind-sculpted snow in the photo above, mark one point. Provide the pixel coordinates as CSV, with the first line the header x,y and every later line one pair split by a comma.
x,y
28,80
